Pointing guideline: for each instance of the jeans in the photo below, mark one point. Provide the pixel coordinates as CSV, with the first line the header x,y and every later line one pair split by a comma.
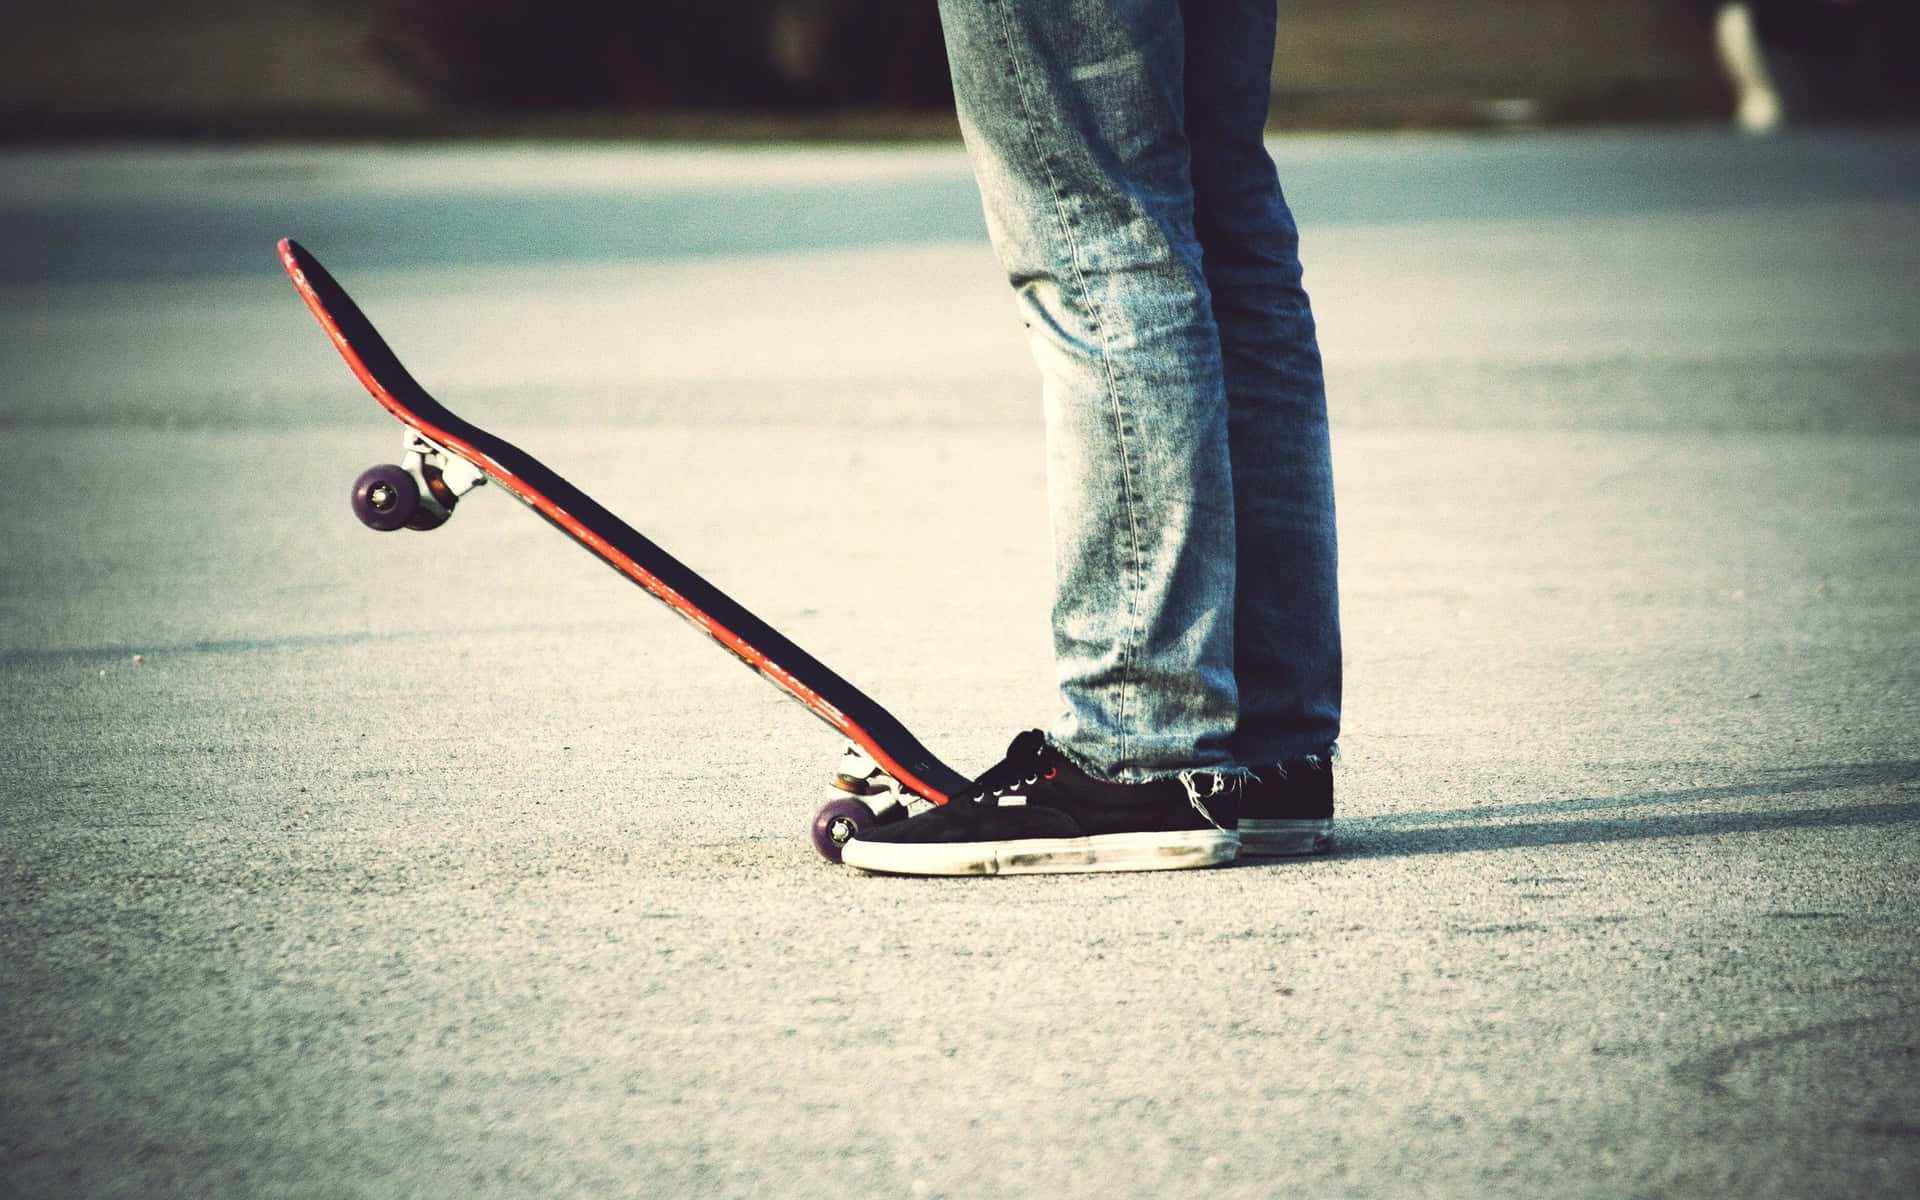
x,y
1119,150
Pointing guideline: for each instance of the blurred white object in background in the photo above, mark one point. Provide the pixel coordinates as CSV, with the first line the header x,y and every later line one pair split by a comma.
x,y
1757,104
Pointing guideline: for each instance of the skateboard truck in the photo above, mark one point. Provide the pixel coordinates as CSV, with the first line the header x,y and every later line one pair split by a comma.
x,y
871,796
419,492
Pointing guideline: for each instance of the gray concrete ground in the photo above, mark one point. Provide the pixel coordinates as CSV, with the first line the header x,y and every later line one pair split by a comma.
x,y
347,865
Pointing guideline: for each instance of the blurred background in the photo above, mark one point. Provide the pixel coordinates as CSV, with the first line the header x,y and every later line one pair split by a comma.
x,y
838,68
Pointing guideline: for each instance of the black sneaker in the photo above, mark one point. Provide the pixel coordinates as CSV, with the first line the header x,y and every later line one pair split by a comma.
x,y
1036,813
1287,808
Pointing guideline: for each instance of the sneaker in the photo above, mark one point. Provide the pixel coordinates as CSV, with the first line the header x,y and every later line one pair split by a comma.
x,y
1287,808
1036,813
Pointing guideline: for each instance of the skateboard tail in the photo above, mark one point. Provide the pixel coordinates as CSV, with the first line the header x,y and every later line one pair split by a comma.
x,y
381,373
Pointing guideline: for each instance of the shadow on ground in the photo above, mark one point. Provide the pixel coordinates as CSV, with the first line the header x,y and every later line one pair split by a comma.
x,y
1702,812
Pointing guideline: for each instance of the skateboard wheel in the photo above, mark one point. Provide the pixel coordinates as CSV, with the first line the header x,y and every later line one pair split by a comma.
x,y
424,519
839,822
437,505
385,498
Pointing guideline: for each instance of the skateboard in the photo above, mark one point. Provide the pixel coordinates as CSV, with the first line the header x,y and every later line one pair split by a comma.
x,y
884,773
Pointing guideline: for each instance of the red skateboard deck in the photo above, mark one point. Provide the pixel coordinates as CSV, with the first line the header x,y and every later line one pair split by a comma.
x,y
423,493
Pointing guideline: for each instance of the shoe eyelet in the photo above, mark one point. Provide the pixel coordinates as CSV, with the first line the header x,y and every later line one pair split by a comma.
x,y
1052,772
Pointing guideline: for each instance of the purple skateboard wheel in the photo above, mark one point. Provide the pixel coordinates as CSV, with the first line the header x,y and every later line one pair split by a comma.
x,y
425,518
839,822
436,505
385,498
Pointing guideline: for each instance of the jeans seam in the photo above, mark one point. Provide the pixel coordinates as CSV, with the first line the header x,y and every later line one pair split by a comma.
x,y
1129,647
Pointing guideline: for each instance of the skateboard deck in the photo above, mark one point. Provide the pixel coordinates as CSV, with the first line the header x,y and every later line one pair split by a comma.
x,y
447,455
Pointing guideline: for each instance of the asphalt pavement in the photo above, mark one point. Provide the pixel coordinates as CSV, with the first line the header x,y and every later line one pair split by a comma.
x,y
344,864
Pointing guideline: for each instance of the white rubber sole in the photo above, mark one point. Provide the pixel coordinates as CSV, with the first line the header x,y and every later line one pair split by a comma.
x,y
1048,856
1285,839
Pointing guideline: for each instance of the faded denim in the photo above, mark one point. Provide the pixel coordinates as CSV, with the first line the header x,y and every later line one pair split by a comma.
x,y
1119,150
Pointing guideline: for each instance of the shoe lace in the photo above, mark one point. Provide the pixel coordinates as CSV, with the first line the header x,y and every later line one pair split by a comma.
x,y
1217,785
1026,762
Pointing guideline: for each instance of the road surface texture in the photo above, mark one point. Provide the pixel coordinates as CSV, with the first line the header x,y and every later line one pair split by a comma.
x,y
344,864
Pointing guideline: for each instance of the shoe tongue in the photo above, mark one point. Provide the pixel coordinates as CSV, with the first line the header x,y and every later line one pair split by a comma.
x,y
1029,746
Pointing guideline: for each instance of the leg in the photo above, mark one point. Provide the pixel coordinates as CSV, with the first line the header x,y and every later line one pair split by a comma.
x,y
1074,117
1757,104
1287,625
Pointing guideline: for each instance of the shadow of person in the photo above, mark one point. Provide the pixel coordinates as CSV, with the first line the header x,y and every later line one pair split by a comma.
x,y
1687,812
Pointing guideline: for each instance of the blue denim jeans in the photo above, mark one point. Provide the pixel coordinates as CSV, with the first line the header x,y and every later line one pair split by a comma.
x,y
1119,150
